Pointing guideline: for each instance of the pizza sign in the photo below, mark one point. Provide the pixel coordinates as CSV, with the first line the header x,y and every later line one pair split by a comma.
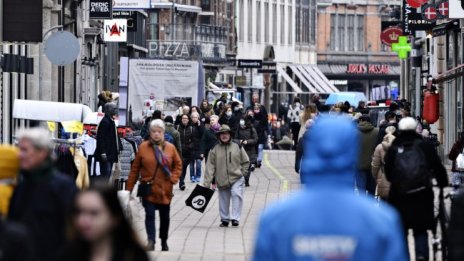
x,y
391,35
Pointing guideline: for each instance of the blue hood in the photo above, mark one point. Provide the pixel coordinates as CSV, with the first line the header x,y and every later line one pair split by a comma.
x,y
330,152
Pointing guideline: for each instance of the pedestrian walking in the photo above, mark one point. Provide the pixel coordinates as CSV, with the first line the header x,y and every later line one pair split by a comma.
x,y
145,131
456,228
99,229
42,200
247,137
108,143
9,170
159,167
261,125
186,132
228,163
390,120
293,115
209,139
326,220
310,112
185,111
195,164
171,135
410,165
458,148
368,141
378,164
206,110
227,117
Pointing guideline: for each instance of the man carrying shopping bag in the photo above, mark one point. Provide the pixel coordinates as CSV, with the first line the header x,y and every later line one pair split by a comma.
x,y
228,163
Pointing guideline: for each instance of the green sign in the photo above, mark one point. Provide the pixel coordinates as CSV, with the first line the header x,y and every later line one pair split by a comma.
x,y
402,47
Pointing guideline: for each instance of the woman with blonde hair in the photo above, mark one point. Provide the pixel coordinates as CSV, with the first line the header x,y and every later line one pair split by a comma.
x,y
383,185
310,113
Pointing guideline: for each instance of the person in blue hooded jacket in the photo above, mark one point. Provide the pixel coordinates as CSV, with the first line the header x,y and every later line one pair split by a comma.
x,y
327,220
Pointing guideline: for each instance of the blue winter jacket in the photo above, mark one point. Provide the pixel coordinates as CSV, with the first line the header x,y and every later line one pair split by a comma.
x,y
326,220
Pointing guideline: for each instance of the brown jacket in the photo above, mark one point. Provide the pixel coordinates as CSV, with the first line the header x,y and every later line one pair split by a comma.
x,y
144,166
378,164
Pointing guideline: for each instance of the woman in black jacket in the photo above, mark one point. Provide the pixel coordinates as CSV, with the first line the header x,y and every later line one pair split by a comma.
x,y
456,228
247,137
227,117
186,132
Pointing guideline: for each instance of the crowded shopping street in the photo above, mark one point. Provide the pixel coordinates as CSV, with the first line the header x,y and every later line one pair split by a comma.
x,y
231,130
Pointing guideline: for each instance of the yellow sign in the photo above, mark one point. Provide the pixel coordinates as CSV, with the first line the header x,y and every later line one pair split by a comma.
x,y
51,126
73,126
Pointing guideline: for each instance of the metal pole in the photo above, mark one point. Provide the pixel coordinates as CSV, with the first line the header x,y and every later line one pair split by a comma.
x,y
1,21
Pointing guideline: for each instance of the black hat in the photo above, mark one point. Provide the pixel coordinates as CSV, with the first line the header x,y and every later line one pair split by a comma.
x,y
168,119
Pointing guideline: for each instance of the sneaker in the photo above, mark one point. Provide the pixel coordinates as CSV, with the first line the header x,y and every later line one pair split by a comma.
x,y
150,246
224,224
258,165
192,179
235,223
164,245
182,187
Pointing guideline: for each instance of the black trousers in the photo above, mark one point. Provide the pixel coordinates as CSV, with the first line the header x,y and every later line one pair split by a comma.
x,y
164,212
295,132
185,163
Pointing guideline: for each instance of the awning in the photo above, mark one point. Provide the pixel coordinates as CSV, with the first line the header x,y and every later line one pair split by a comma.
x,y
161,5
188,8
49,111
450,74
313,79
288,79
206,13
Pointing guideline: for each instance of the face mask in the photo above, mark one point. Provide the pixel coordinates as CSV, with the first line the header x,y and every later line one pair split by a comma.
x,y
236,109
229,113
242,123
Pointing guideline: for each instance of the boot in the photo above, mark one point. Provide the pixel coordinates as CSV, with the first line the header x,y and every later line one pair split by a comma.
x,y
164,245
150,246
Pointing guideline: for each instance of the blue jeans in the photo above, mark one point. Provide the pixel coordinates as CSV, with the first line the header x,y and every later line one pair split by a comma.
x,y
105,170
421,242
365,182
195,169
150,209
260,152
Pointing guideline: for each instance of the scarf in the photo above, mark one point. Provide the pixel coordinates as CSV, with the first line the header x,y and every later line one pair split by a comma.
x,y
161,159
41,173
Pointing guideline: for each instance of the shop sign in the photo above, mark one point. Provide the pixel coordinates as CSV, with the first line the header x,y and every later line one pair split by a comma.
x,y
413,21
250,64
131,4
390,35
429,12
402,48
131,17
443,9
115,30
456,9
339,82
268,67
416,3
100,9
368,69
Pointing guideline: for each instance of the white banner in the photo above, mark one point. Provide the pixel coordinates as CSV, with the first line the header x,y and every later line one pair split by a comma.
x,y
167,82
131,4
455,9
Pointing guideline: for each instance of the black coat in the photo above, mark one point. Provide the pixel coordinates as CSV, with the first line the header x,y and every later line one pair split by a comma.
x,y
108,141
187,140
198,131
416,209
208,141
15,243
456,229
232,122
43,206
249,134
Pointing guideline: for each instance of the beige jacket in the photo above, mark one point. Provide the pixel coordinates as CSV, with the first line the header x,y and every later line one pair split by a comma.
x,y
227,163
378,164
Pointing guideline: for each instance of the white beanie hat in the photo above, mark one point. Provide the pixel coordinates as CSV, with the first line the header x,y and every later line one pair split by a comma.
x,y
407,123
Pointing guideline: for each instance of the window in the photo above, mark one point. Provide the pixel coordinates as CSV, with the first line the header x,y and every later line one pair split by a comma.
x,y
350,34
341,33
282,24
241,17
333,31
266,22
298,22
360,33
290,25
153,27
250,21
313,22
258,21
274,23
305,27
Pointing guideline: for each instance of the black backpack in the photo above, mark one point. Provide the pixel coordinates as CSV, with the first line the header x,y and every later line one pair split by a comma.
x,y
410,168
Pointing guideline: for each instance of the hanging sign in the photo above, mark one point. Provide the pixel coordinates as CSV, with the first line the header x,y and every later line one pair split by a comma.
x,y
390,35
115,30
131,4
101,9
443,10
416,3
131,17
402,48
51,126
429,12
413,21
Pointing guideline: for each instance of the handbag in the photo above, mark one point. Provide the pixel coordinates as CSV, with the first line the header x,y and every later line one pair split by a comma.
x,y
144,189
460,161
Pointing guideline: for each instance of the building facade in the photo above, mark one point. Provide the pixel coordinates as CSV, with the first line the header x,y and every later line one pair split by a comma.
x,y
350,51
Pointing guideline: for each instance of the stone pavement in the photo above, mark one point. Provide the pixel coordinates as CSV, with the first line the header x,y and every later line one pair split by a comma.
x,y
197,236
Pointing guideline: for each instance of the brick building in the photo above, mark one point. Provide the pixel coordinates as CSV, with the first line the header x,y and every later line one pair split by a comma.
x,y
349,49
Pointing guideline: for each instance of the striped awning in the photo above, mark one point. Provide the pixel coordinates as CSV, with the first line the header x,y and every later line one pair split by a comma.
x,y
313,79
